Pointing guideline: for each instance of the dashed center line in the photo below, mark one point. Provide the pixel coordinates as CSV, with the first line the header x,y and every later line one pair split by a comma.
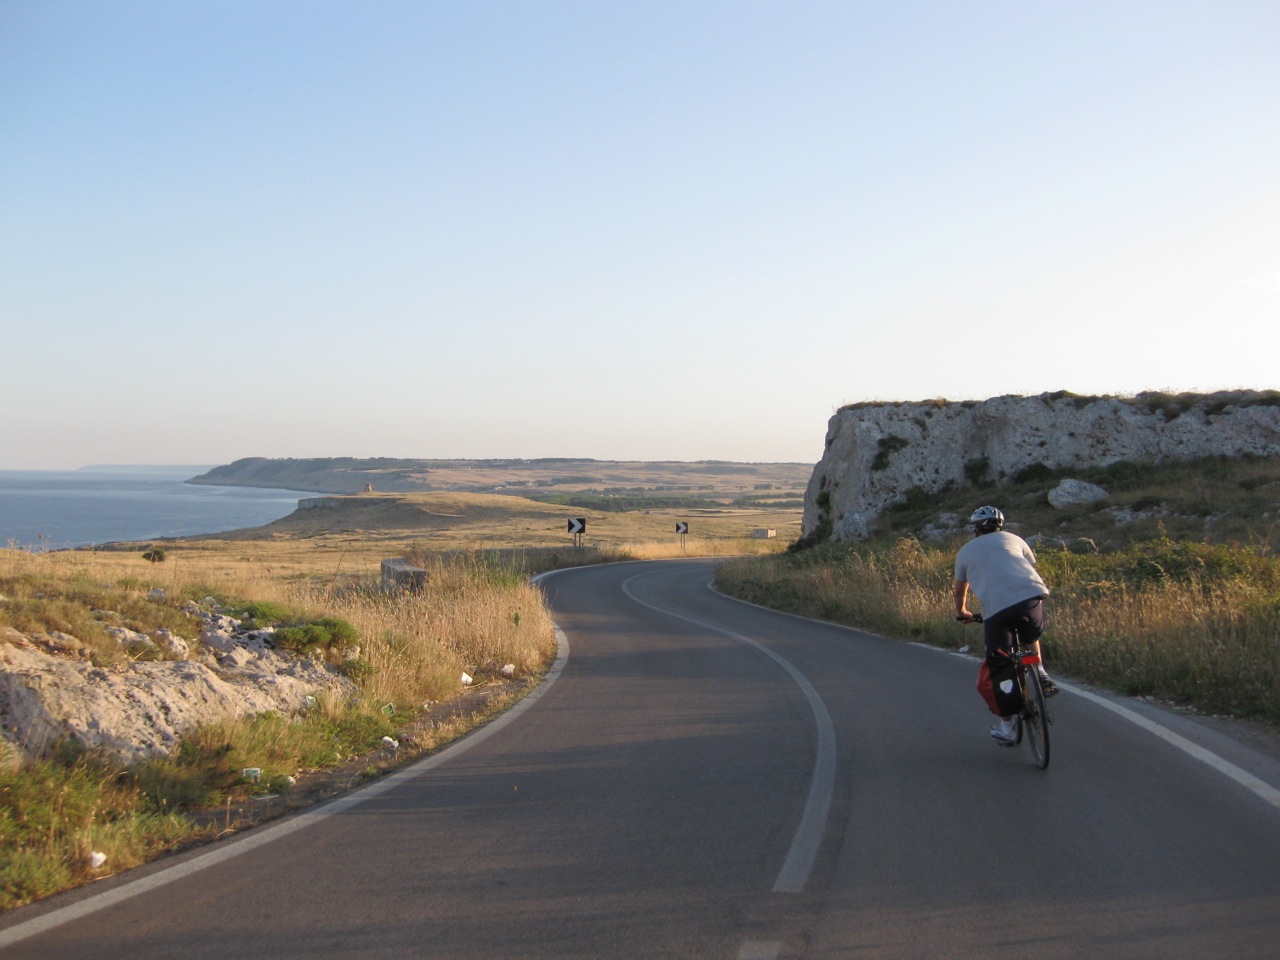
x,y
813,822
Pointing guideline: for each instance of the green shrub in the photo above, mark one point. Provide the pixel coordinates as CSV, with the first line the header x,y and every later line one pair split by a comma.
x,y
975,471
1037,472
325,636
820,534
357,671
886,447
1170,406
1124,475
261,613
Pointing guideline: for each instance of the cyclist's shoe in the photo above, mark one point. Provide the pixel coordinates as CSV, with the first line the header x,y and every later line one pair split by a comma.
x,y
1048,686
1009,739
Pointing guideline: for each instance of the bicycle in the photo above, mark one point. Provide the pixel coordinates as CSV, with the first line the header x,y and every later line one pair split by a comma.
x,y
1035,716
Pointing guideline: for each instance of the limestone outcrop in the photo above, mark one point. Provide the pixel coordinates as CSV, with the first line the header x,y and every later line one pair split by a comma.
x,y
141,708
877,454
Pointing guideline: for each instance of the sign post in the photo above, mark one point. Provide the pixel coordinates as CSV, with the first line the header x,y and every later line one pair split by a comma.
x,y
682,528
577,526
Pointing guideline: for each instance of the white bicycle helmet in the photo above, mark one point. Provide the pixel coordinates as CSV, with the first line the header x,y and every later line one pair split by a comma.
x,y
987,519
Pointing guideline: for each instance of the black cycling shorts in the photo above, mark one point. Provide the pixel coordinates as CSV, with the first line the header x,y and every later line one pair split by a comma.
x,y
1025,620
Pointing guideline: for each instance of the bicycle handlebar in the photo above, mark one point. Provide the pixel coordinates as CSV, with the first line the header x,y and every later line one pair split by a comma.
x,y
976,618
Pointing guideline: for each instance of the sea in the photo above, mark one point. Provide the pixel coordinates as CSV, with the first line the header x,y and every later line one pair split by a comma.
x,y
62,509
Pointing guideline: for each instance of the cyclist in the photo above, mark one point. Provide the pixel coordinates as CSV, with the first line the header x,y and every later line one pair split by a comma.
x,y
1000,569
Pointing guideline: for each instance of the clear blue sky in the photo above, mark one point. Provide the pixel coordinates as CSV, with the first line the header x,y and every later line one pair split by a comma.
x,y
659,230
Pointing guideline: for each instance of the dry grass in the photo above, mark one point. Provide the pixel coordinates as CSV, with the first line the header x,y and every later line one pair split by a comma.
x,y
893,591
478,614
377,523
1215,645
1185,622
475,617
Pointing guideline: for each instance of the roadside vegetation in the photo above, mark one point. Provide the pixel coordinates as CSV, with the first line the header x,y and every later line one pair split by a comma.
x,y
75,815
530,561
1170,589
1220,500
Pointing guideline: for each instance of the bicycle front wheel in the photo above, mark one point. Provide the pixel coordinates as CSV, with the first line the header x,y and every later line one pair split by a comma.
x,y
1036,720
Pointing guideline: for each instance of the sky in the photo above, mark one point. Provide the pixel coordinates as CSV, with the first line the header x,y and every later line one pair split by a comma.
x,y
670,230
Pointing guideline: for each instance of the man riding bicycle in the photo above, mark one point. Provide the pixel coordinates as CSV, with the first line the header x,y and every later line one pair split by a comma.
x,y
1000,570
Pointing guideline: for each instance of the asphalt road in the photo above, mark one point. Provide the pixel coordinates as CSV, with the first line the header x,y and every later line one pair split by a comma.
x,y
703,778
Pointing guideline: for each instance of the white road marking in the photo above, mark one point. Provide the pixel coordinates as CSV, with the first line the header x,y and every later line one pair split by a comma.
x,y
1225,767
813,822
227,849
1243,777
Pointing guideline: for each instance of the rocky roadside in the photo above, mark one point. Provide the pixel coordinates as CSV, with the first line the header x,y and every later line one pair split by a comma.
x,y
141,706
136,709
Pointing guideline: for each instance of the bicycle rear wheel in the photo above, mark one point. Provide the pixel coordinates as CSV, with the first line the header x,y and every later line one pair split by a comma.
x,y
1036,720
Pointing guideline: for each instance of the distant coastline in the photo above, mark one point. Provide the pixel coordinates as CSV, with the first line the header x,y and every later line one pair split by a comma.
x,y
338,475
95,506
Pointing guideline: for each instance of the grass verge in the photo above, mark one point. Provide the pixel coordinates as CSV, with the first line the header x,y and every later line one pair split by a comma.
x,y
75,815
1192,623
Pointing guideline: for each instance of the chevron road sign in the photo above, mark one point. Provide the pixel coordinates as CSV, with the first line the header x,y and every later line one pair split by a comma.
x,y
578,525
681,527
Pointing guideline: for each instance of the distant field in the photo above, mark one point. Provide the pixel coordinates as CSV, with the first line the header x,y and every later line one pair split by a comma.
x,y
479,616
385,505
461,521
549,477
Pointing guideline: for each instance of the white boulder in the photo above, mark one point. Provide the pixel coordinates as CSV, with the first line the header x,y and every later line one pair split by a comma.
x,y
1075,493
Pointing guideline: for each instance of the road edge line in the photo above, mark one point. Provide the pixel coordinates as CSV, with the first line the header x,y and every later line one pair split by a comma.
x,y
227,849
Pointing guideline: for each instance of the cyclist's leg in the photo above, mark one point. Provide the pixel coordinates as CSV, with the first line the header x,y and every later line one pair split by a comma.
x,y
997,634
1030,628
1030,623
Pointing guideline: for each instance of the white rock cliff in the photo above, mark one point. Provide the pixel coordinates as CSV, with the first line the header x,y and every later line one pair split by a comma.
x,y
877,452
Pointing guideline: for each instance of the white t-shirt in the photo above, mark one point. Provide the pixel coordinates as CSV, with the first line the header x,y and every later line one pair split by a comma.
x,y
1000,569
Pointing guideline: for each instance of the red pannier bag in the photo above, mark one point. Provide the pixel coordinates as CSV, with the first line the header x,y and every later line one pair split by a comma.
x,y
998,684
984,687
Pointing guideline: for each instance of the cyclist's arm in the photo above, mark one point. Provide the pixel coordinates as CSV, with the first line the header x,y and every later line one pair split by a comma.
x,y
961,594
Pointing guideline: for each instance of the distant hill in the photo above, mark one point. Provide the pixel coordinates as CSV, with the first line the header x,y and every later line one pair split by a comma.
x,y
544,479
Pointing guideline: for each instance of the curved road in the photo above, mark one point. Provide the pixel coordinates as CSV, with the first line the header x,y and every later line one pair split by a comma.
x,y
703,778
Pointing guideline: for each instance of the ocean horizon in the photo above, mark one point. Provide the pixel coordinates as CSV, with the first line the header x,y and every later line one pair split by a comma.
x,y
107,503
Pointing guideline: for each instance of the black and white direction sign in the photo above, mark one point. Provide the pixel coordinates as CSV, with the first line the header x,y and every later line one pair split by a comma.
x,y
577,524
681,527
